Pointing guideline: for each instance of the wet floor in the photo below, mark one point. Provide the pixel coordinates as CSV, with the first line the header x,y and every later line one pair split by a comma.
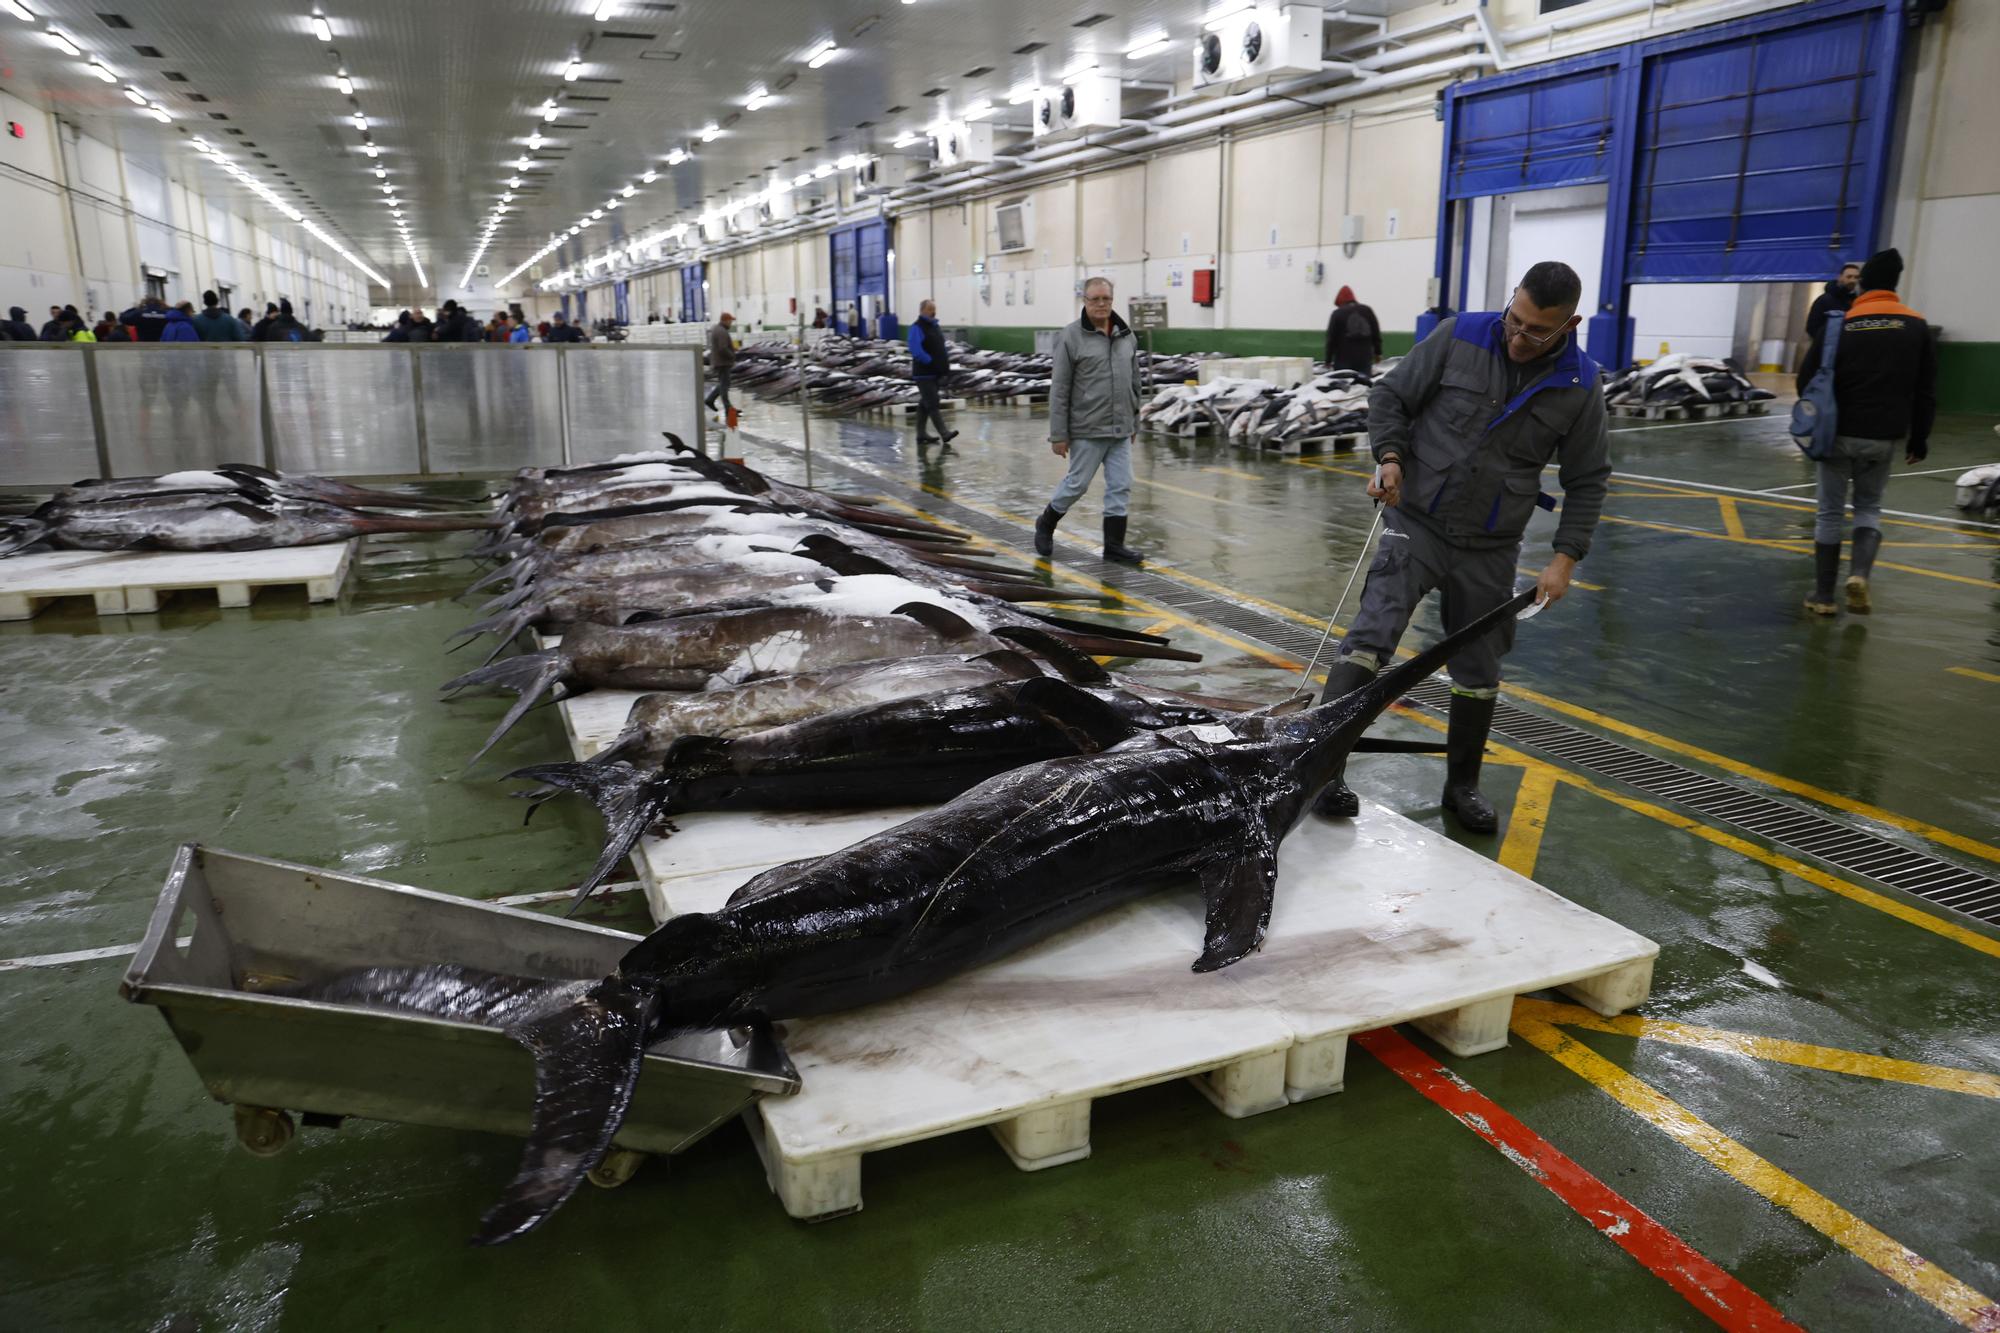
x,y
1809,1103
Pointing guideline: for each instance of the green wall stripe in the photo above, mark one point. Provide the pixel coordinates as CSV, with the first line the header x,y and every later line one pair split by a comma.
x,y
1230,342
1968,377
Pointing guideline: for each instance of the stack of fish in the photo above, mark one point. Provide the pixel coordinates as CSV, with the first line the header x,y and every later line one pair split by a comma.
x,y
1681,381
1260,414
847,375
232,507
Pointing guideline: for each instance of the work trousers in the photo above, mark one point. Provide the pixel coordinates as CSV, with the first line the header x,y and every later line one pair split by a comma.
x,y
1085,457
1412,560
927,406
721,389
1862,464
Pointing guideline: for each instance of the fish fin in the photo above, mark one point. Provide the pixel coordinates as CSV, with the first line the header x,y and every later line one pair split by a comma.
x,y
1238,896
1086,719
246,470
1384,745
18,534
631,799
513,597
841,558
1074,667
949,623
530,675
768,882
504,627
587,1061
1016,666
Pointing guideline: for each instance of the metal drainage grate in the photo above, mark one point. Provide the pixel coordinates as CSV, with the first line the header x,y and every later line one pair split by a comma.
x,y
1840,845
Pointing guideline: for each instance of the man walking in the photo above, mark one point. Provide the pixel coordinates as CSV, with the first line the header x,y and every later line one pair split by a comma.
x,y
1461,429
1839,295
1353,335
1093,413
1884,390
721,360
562,331
930,363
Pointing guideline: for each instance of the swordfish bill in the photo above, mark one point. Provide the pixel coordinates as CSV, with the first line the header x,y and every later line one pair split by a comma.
x,y
1012,861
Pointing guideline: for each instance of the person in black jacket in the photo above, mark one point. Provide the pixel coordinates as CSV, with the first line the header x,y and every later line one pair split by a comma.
x,y
1884,390
17,328
1839,295
562,331
930,363
52,329
1353,335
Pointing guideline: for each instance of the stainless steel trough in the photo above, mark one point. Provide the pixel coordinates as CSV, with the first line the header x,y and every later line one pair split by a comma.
x,y
229,927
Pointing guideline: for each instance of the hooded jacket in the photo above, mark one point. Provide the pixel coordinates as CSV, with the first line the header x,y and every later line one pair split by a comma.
x,y
1884,373
17,327
1353,335
179,329
1094,383
216,325
1835,297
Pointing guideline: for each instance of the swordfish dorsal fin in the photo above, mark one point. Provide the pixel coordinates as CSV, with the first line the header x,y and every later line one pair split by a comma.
x,y
1090,723
941,620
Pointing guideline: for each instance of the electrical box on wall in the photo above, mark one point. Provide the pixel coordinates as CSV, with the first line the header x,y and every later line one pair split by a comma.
x,y
1350,229
1204,286
1085,103
1013,227
957,143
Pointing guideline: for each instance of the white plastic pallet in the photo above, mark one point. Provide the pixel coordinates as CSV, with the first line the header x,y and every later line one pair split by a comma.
x,y
1377,921
132,581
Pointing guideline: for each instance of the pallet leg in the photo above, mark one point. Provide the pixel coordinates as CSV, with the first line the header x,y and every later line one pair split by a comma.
x,y
1316,1068
1048,1137
110,601
815,1191
142,600
1471,1029
15,606
1612,993
232,594
1246,1087
322,590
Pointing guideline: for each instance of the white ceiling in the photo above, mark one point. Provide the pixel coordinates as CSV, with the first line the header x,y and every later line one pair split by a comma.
x,y
450,89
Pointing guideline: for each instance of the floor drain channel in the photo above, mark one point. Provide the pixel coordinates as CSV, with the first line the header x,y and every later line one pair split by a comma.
x,y
1827,840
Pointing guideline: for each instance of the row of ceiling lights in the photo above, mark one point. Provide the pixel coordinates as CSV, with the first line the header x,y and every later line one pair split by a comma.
x,y
97,68
322,28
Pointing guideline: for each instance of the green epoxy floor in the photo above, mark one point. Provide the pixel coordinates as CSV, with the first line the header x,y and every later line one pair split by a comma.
x,y
312,733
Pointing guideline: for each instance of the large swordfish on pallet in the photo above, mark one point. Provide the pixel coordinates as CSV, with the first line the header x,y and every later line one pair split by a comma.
x,y
1012,861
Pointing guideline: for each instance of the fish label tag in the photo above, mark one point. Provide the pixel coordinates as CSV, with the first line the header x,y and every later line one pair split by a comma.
x,y
1212,734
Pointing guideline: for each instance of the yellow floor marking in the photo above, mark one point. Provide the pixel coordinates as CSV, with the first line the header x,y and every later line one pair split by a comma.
x,y
1794,547
1828,1058
1987,676
1236,472
1732,522
1529,818
1092,608
1193,495
1944,837
1157,627
1664,492
1882,1252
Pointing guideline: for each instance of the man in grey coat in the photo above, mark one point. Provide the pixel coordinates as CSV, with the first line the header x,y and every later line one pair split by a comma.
x,y
1461,429
1093,414
721,360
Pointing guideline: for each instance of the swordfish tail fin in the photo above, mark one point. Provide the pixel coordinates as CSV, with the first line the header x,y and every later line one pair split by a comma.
x,y
631,798
503,626
531,675
587,1060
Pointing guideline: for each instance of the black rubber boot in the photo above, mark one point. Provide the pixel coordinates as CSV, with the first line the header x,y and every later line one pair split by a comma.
x,y
1337,800
1115,548
1045,532
1860,565
1465,747
1826,568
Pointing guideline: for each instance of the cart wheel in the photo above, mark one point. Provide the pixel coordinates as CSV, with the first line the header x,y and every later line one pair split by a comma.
x,y
264,1131
619,1165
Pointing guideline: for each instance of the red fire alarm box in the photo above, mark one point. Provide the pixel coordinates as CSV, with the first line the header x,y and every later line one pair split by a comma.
x,y
1204,286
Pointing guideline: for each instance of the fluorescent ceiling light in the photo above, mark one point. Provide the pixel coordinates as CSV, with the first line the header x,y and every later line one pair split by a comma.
x,y
321,28
19,11
158,113
612,203
596,213
551,111
572,70
629,191
381,173
371,150
678,156
979,110
1223,17
905,139
1025,93
709,132
98,69
804,178
847,162
821,54
360,121
1152,46
345,84
1081,65
535,141
758,98
134,96
649,177
520,164
507,198
61,39
604,9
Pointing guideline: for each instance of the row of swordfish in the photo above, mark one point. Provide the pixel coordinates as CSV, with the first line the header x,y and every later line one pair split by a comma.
x,y
812,650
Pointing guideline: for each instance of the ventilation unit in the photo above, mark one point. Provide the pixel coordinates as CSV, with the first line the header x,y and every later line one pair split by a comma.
x,y
1258,45
1088,103
881,173
956,143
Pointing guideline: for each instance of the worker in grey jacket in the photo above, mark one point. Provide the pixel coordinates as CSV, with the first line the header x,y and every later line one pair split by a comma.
x,y
721,360
1093,413
1461,430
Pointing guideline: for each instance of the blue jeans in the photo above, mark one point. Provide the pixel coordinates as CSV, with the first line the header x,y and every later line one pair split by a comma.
x,y
1085,457
1864,463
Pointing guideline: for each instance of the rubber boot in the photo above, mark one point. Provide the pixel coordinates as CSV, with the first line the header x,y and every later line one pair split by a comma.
x,y
1045,532
1465,747
1115,548
1337,800
1861,564
1826,568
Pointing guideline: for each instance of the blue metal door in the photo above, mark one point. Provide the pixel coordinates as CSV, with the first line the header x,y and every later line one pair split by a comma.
x,y
694,297
621,301
860,268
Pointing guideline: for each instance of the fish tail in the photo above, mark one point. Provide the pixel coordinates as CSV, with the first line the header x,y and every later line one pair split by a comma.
x,y
501,541
631,798
531,675
510,599
587,1061
508,570
504,626
18,534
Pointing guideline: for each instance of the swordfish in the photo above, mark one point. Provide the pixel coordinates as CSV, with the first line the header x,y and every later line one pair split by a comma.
x,y
1012,861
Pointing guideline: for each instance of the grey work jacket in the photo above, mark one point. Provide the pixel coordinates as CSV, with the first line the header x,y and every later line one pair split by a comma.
x,y
721,350
1094,385
1472,458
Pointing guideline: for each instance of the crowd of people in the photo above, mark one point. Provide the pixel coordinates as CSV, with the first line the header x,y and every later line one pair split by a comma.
x,y
154,321
455,324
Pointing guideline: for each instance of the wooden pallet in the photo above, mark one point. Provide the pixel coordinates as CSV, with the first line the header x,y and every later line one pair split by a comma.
x,y
1348,442
1646,412
894,410
122,582
1378,921
1190,431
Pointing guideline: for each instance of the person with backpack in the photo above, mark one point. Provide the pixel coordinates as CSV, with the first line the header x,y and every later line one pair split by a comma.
x,y
1884,392
1353,335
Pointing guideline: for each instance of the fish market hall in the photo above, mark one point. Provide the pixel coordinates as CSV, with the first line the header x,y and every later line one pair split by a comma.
x,y
1194,665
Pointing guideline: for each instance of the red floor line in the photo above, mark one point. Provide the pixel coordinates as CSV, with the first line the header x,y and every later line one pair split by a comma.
x,y
1706,1286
